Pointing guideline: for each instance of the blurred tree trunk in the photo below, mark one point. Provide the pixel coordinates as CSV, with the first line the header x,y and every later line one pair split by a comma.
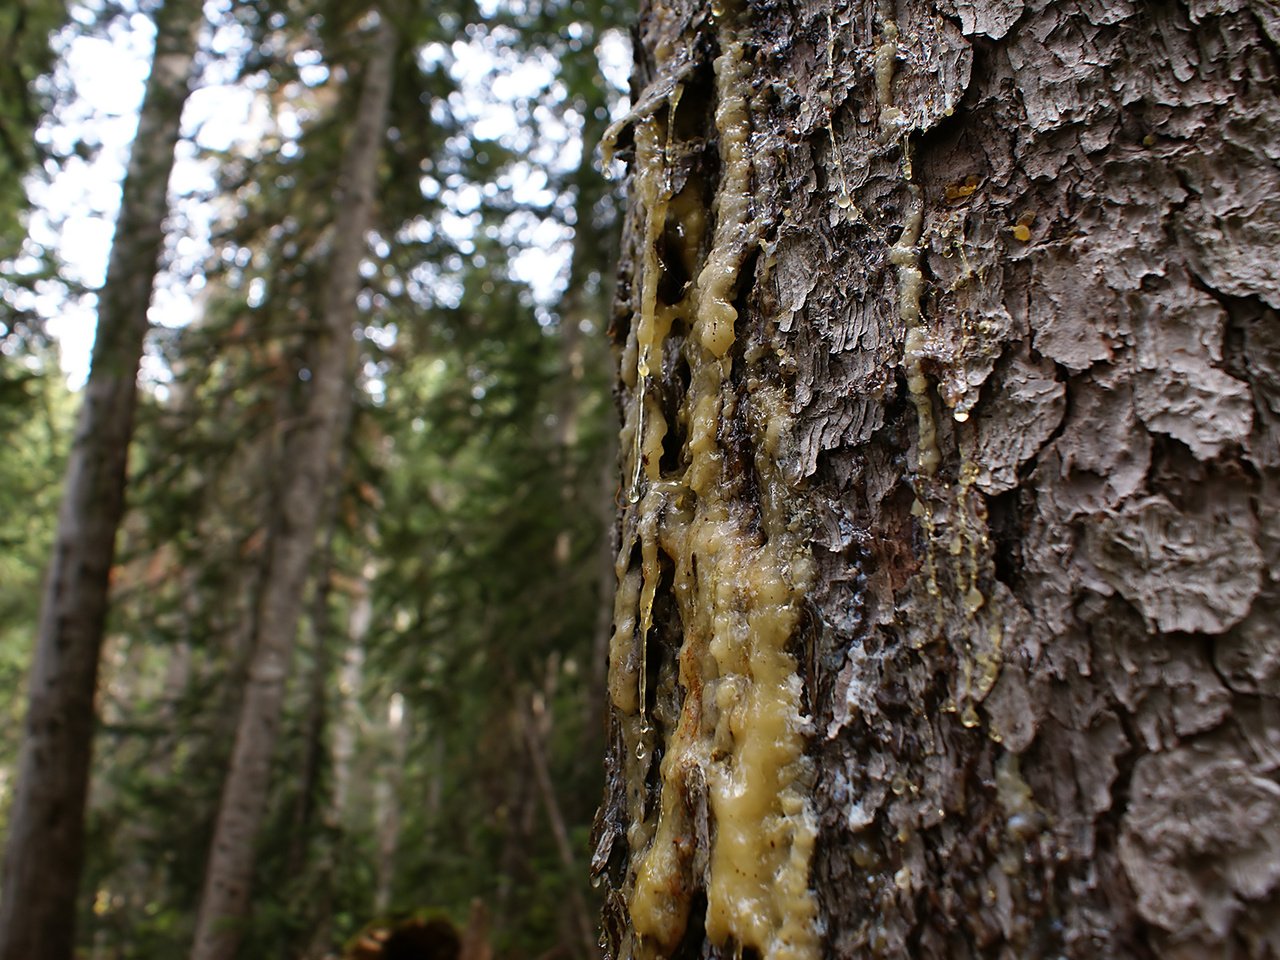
x,y
45,851
388,809
312,453
302,824
346,730
535,730
950,369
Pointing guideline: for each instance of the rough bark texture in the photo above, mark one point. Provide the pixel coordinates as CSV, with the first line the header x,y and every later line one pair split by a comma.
x,y
312,450
45,850
993,439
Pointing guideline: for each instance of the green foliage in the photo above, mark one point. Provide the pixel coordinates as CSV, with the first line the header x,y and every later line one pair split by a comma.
x,y
36,413
25,55
470,508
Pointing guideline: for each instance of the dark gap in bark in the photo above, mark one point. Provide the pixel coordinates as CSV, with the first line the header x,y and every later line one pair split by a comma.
x,y
665,696
983,66
676,377
667,634
1132,933
674,280
741,477
943,137
1234,348
1242,314
690,946
742,296
1206,645
1004,524
695,114
1108,824
803,647
894,537
653,782
669,461
620,322
1177,473
1064,376
895,432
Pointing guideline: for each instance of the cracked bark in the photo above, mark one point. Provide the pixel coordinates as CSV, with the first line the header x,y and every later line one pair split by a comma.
x,y
1038,480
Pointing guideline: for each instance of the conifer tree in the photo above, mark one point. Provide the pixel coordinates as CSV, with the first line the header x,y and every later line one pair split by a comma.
x,y
312,448
947,588
44,853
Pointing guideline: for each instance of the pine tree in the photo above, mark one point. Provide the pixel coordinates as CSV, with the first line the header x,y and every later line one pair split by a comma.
x,y
44,853
947,588
311,451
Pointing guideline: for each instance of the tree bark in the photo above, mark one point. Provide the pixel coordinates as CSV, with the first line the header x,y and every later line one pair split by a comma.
x,y
312,449
303,822
45,851
948,583
347,727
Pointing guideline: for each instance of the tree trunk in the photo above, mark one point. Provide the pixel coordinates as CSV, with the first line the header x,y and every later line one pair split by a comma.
x,y
312,450
950,373
45,852
347,728
387,804
302,824
531,718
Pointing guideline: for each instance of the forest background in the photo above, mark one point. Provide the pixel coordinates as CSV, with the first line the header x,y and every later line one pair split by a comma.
x,y
441,730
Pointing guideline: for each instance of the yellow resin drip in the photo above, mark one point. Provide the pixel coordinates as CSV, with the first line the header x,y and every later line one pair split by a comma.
x,y
844,200
739,575
716,315
981,666
905,256
885,64
955,538
652,185
738,593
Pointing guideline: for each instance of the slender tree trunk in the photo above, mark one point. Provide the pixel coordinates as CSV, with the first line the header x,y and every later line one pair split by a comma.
x,y
302,823
519,817
388,809
596,703
45,851
345,728
321,624
948,593
350,685
312,452
531,719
